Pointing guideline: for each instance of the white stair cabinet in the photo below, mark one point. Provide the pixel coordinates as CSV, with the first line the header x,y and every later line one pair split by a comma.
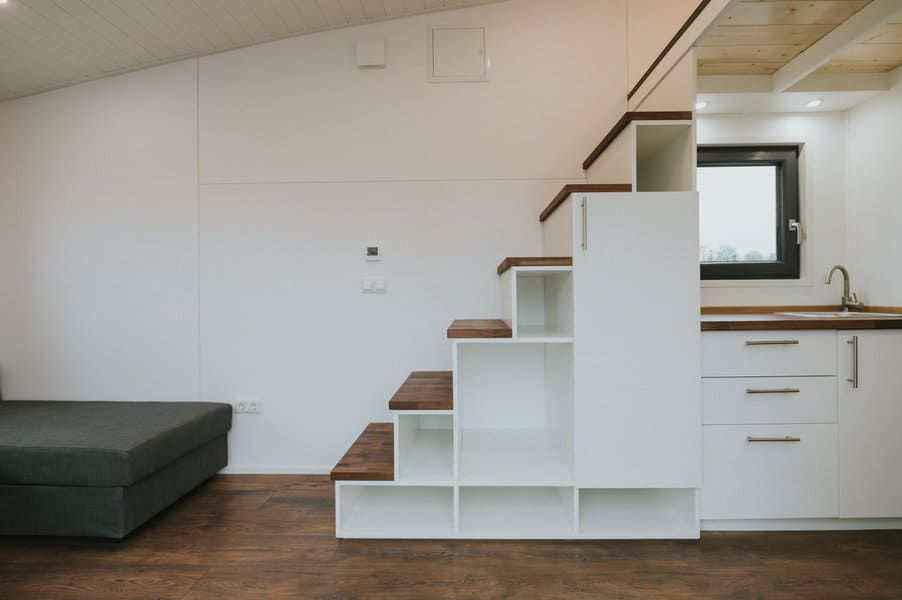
x,y
870,418
636,348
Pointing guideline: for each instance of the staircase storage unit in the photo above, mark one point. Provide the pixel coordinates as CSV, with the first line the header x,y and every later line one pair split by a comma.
x,y
577,413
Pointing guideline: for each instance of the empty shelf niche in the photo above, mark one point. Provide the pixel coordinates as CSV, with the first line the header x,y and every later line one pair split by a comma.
x,y
425,448
665,157
638,513
516,414
544,300
375,511
516,512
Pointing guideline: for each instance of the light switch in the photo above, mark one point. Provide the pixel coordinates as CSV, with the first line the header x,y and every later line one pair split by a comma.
x,y
379,286
366,285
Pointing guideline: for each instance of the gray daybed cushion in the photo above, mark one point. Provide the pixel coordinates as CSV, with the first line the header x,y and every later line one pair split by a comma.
x,y
101,444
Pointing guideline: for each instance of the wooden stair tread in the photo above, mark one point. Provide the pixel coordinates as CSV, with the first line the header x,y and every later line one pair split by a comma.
x,y
424,390
534,261
627,118
371,457
582,188
479,328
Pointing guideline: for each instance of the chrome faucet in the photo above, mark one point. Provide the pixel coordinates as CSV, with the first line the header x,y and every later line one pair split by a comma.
x,y
850,300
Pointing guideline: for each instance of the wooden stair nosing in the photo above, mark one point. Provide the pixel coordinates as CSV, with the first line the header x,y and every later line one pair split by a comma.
x,y
627,118
424,390
534,261
370,458
479,328
582,188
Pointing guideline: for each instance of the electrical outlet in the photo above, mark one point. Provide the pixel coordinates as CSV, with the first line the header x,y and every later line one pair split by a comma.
x,y
248,406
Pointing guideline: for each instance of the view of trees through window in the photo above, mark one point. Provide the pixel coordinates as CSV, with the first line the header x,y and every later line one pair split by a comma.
x,y
738,213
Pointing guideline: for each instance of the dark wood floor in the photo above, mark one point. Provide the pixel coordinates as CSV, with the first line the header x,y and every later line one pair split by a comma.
x,y
272,537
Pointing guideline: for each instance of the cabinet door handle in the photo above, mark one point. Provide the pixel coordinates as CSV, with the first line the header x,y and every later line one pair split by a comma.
x,y
771,342
584,244
854,378
773,391
785,438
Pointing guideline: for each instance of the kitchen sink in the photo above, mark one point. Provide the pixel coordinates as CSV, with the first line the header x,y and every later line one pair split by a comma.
x,y
839,314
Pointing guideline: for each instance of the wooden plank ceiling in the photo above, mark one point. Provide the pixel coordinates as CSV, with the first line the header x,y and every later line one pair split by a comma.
x,y
46,44
763,35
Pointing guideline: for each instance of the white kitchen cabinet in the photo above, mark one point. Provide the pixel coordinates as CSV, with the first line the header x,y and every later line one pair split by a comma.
x,y
870,417
636,340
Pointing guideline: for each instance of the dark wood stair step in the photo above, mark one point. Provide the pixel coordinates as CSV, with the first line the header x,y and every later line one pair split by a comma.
x,y
629,117
534,261
371,457
424,390
479,328
582,188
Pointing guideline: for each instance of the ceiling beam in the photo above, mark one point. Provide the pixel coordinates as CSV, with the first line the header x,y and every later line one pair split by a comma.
x,y
856,28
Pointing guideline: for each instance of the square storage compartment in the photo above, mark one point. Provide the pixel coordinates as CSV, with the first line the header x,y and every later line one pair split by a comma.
x,y
425,448
516,512
393,511
544,303
515,403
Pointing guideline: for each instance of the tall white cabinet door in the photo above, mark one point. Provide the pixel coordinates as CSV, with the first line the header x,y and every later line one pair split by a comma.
x,y
870,424
637,340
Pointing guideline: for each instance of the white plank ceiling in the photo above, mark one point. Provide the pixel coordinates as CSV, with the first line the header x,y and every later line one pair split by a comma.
x,y
47,44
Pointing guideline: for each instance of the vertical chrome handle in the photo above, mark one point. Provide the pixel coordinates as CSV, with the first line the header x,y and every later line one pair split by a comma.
x,y
585,243
854,378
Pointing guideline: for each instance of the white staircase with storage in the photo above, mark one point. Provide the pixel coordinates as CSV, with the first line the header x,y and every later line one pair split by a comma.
x,y
577,413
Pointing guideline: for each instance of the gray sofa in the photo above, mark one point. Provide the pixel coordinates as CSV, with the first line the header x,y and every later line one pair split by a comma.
x,y
103,468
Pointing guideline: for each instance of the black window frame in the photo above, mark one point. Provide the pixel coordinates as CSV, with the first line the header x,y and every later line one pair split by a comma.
x,y
786,159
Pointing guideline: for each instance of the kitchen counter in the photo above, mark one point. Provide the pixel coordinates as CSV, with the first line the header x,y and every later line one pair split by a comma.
x,y
714,319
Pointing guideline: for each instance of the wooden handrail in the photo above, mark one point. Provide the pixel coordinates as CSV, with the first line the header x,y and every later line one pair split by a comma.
x,y
698,10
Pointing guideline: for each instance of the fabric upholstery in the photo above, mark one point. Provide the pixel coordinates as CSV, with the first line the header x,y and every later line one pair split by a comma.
x,y
110,512
101,444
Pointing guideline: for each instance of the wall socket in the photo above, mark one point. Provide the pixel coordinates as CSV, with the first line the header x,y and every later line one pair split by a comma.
x,y
248,406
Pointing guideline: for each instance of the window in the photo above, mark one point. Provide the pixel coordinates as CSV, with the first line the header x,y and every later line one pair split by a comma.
x,y
748,202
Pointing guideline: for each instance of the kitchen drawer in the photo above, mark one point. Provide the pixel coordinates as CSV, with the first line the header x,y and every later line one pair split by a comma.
x,y
769,480
768,353
762,400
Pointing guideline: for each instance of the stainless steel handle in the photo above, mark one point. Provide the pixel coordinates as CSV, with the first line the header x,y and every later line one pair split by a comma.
x,y
771,342
785,438
854,378
585,209
773,391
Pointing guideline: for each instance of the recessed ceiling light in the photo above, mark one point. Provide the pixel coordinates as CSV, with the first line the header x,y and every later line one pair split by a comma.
x,y
701,104
815,103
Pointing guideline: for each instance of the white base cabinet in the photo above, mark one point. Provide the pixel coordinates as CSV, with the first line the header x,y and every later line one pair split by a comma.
x,y
801,429
870,417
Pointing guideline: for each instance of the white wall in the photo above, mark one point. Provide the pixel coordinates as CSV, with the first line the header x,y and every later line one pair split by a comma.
x,y
303,159
875,197
98,240
822,188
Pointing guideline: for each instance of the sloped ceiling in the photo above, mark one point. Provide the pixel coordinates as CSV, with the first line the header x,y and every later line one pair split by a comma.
x,y
47,44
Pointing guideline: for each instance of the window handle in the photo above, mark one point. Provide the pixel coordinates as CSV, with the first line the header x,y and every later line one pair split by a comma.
x,y
794,225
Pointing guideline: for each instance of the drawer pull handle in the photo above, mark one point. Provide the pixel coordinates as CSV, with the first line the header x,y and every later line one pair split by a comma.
x,y
786,438
773,391
771,342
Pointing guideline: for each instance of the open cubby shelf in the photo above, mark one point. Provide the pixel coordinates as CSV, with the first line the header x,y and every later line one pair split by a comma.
x,y
516,512
395,511
425,448
538,302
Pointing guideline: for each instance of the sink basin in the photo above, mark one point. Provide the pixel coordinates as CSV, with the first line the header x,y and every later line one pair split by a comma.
x,y
839,315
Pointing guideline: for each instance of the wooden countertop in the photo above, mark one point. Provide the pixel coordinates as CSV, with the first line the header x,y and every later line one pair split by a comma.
x,y
747,321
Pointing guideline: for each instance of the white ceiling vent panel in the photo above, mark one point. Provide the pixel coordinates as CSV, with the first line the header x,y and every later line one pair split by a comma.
x,y
458,54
